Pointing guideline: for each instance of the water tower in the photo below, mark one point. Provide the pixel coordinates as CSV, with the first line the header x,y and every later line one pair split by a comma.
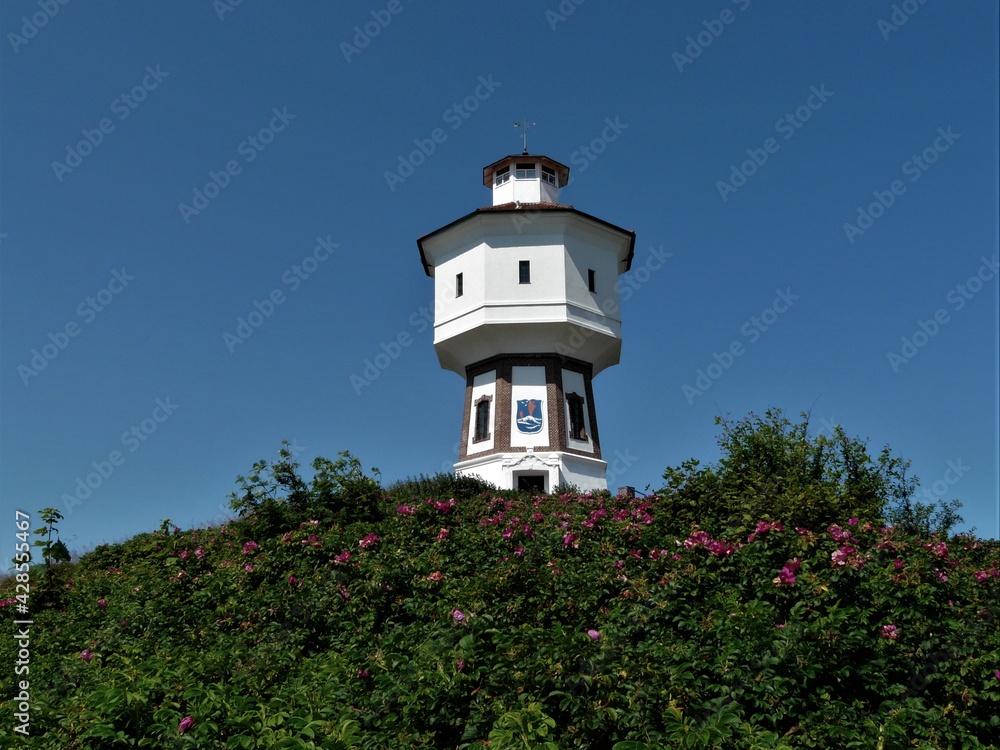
x,y
526,311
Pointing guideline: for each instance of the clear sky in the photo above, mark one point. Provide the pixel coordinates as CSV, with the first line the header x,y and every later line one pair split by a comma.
x,y
813,188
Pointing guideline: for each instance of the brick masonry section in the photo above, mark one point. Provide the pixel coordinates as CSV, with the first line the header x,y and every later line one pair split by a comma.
x,y
555,409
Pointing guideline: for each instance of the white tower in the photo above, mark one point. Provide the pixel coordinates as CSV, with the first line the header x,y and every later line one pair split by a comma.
x,y
526,310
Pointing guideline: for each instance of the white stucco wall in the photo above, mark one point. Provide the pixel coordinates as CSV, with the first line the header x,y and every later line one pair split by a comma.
x,y
585,473
502,469
582,255
555,312
468,261
548,273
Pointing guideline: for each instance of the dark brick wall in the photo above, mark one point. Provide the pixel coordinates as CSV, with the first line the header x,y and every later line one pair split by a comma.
x,y
555,408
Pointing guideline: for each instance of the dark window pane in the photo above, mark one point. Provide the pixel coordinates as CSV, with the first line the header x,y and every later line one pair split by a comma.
x,y
531,483
577,429
482,420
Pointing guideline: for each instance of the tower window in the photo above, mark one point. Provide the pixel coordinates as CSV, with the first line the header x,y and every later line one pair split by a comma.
x,y
524,271
591,279
525,172
548,175
460,286
501,176
482,419
577,431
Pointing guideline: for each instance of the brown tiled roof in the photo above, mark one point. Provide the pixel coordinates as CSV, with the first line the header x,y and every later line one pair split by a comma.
x,y
526,206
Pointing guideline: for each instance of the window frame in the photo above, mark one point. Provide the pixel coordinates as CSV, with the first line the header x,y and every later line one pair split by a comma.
x,y
525,171
481,429
576,426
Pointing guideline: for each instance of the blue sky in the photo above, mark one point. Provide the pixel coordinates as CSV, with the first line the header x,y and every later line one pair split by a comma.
x,y
813,188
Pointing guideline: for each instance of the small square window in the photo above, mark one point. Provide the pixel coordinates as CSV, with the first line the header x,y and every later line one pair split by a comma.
x,y
591,280
524,271
501,176
525,172
548,175
459,285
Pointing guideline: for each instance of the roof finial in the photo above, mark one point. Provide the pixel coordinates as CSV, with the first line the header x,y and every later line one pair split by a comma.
x,y
524,134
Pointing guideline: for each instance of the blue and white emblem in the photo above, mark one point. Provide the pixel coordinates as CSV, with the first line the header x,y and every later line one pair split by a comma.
x,y
529,415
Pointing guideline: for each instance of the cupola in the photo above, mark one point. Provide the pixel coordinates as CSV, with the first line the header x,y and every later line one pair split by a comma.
x,y
525,178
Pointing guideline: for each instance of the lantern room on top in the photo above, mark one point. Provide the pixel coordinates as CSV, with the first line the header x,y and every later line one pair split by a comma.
x,y
525,179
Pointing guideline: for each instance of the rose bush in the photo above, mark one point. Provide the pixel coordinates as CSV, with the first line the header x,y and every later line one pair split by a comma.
x,y
453,616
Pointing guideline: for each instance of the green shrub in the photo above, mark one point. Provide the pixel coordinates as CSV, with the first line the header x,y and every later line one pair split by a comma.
x,y
772,468
443,613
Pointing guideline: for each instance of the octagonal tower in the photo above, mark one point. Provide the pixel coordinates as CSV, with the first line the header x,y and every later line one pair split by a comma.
x,y
526,310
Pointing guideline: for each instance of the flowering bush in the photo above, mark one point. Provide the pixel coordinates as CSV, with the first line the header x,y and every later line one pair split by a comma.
x,y
889,631
786,576
559,621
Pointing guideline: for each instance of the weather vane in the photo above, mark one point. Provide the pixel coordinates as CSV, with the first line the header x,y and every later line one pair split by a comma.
x,y
524,134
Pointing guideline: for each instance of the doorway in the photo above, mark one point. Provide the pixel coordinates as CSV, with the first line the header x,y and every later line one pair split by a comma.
x,y
531,482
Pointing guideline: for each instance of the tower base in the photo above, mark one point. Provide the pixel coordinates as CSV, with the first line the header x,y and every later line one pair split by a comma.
x,y
540,471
